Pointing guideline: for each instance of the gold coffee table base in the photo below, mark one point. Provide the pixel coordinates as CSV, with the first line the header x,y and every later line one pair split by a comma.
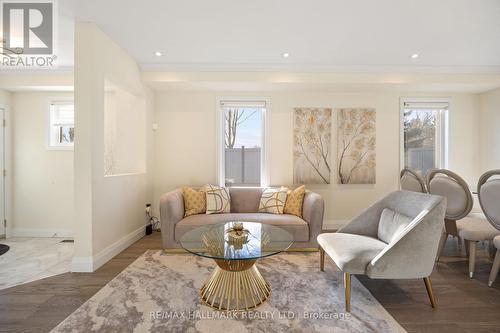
x,y
235,285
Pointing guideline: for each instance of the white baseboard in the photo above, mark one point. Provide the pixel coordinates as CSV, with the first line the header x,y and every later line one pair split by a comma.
x,y
334,224
82,264
91,264
40,232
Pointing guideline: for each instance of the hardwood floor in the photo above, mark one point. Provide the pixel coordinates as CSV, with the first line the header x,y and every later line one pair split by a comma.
x,y
464,305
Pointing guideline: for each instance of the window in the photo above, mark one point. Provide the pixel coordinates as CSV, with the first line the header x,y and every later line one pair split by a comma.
x,y
62,125
242,141
424,134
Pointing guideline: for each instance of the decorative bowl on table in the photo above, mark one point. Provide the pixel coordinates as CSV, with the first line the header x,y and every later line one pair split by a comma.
x,y
237,235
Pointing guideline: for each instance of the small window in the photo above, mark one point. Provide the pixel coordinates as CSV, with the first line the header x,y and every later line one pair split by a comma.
x,y
243,159
62,125
424,127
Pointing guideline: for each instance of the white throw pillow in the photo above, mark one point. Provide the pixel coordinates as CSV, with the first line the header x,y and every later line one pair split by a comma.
x,y
218,199
273,200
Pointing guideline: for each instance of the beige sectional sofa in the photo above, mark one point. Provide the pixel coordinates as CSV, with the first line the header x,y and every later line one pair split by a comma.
x,y
244,207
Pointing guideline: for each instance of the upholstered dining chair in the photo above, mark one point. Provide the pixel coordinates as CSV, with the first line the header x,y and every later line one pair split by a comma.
x,y
412,181
395,238
496,263
474,230
459,200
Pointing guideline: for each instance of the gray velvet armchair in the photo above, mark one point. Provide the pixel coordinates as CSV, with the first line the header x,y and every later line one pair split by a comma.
x,y
396,238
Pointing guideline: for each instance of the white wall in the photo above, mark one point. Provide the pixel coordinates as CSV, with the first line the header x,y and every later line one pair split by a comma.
x,y
464,137
109,210
124,132
185,146
489,135
4,97
42,178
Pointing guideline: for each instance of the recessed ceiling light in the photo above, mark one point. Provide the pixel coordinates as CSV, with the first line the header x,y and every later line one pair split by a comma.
x,y
414,56
158,54
286,55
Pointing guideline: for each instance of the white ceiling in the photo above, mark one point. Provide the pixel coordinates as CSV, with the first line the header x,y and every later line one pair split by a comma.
x,y
456,36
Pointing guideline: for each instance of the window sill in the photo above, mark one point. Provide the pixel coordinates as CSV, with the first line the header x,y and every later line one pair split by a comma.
x,y
245,186
60,148
139,173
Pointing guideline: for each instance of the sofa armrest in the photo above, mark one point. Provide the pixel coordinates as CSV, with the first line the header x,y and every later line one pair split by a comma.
x,y
171,212
313,210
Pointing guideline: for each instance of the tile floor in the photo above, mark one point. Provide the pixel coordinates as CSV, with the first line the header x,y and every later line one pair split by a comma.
x,y
31,259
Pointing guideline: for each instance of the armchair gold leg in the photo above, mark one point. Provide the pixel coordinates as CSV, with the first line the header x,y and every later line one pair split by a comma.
x,y
321,259
428,286
347,288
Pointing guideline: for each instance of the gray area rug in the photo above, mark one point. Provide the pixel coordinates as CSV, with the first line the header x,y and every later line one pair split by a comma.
x,y
159,292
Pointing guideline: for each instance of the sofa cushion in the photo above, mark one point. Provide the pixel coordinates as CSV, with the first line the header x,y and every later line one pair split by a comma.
x,y
245,199
351,253
293,224
273,200
218,199
391,223
294,201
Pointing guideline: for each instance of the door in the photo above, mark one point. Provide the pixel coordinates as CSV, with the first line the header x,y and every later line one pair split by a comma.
x,y
2,173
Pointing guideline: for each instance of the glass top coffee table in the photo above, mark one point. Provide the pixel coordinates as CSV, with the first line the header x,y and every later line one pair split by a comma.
x,y
236,283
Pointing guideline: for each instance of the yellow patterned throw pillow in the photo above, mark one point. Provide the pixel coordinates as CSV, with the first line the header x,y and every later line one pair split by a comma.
x,y
218,200
273,200
294,201
194,201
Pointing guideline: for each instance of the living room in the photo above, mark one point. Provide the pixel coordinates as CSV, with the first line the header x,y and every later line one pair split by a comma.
x,y
281,131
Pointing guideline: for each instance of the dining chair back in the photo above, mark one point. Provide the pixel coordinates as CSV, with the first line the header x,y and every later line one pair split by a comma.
x,y
448,184
412,181
488,189
454,188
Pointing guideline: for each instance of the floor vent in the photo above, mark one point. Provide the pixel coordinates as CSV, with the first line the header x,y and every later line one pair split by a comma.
x,y
67,241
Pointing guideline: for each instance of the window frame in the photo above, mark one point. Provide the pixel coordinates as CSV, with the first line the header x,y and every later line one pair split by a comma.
x,y
221,145
50,145
442,135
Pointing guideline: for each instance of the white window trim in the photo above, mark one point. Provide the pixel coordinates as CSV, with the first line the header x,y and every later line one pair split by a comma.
x,y
442,136
48,145
220,143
